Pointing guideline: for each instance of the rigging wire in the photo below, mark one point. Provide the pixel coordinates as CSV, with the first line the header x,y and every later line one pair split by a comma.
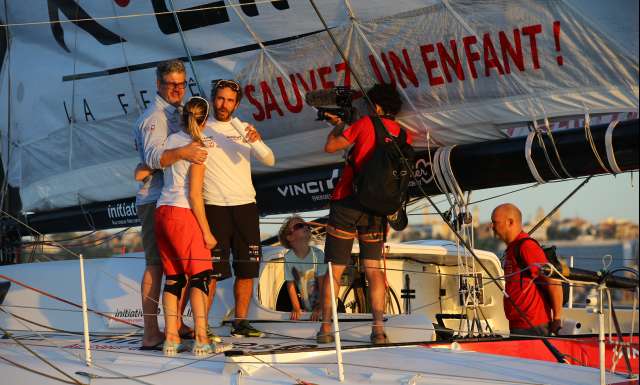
x,y
305,364
5,178
64,240
557,207
57,298
107,273
186,47
89,242
5,4
28,369
293,337
61,348
62,331
138,376
35,354
126,61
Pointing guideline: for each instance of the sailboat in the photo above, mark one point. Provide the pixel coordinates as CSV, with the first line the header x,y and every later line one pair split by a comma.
x,y
496,93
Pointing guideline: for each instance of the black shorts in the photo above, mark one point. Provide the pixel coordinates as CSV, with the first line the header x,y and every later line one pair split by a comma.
x,y
237,230
346,220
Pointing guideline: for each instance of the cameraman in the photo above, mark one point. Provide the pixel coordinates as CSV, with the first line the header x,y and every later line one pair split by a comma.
x,y
347,218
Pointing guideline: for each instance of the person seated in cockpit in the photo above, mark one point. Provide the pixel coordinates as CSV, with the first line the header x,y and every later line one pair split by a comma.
x,y
304,268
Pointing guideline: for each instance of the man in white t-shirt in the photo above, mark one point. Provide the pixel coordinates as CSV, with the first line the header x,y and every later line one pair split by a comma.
x,y
230,199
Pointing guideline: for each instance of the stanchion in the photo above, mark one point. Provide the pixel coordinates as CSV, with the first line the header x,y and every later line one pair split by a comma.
x,y
601,346
570,304
85,315
336,327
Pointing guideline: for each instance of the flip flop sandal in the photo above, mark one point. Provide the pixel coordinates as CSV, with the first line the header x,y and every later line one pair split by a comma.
x,y
325,338
171,349
213,337
208,349
379,339
157,347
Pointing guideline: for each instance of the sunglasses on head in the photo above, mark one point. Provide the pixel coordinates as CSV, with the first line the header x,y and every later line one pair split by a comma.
x,y
222,83
298,226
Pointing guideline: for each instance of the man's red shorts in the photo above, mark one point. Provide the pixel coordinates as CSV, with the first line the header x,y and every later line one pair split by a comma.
x,y
180,241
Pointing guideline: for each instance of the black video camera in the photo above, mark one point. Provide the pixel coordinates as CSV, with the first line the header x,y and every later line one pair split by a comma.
x,y
340,97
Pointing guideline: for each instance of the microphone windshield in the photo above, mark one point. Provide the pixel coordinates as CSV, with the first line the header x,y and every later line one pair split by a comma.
x,y
319,98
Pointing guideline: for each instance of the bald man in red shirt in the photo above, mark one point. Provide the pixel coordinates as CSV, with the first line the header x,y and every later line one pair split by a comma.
x,y
535,307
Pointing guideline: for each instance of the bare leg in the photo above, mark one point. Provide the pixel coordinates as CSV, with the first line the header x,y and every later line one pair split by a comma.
x,y
337,270
375,277
170,305
212,294
199,306
242,290
182,304
150,289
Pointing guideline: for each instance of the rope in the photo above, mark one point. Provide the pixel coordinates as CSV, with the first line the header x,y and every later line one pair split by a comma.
x,y
544,149
555,147
608,141
438,176
527,155
449,176
589,136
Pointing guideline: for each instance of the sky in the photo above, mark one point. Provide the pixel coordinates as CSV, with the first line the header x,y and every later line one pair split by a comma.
x,y
601,198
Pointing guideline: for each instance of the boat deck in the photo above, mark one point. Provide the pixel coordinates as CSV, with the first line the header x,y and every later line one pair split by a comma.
x,y
275,360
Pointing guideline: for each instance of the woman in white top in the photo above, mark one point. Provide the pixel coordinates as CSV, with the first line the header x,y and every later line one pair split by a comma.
x,y
184,237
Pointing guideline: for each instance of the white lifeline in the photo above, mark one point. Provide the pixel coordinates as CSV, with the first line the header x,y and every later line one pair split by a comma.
x,y
228,166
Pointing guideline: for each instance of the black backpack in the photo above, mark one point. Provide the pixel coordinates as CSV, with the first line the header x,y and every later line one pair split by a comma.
x,y
552,257
381,184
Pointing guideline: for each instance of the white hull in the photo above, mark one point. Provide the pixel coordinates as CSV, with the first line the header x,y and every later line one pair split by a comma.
x,y
389,365
45,324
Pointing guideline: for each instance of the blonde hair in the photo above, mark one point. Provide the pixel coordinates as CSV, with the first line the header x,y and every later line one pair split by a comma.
x,y
194,114
284,230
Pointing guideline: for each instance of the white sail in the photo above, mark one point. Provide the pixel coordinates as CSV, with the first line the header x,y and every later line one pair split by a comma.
x,y
76,74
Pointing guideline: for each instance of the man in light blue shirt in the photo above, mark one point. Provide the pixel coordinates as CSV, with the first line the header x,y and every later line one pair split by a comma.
x,y
160,119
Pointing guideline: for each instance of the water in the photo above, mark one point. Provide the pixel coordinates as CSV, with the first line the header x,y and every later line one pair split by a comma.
x,y
591,255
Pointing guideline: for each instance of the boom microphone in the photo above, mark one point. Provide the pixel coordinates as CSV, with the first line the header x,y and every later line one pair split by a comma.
x,y
319,98
340,97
